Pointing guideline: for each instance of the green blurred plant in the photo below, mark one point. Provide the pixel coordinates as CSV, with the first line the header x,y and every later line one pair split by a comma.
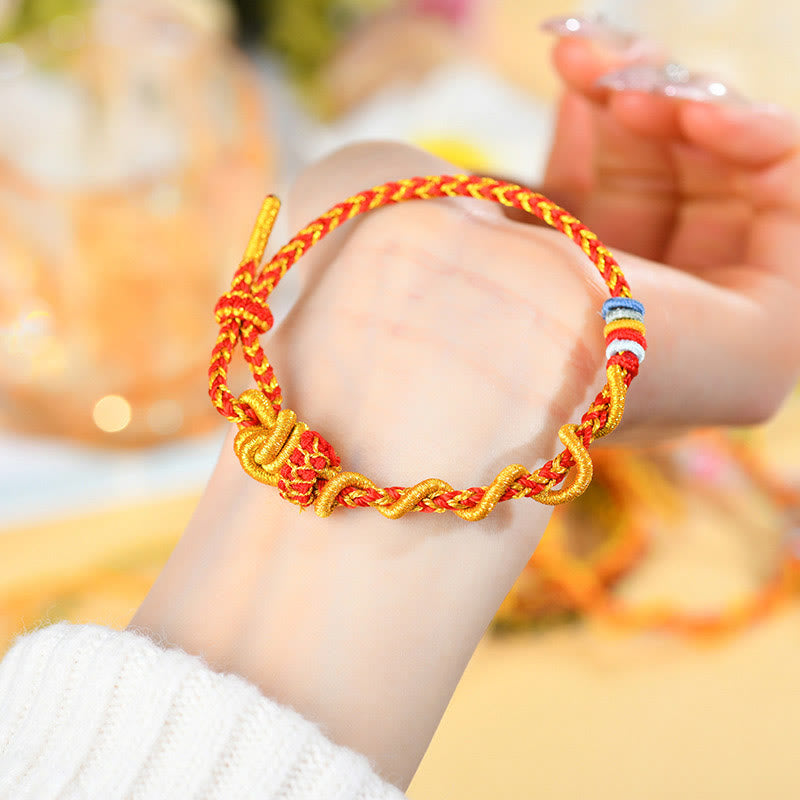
x,y
25,18
306,32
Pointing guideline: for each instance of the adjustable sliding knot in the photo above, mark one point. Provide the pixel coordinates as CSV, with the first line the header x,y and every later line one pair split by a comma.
x,y
276,449
245,308
283,452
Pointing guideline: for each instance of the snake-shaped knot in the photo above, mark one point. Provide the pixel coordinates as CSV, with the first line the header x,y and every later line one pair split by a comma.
x,y
283,452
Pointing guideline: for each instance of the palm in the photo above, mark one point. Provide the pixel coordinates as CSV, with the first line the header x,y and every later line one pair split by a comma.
x,y
429,321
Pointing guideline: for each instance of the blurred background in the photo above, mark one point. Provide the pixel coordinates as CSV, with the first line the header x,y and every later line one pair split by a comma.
x,y
651,648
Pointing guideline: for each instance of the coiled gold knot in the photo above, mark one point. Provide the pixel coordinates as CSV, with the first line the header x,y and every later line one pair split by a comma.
x,y
283,452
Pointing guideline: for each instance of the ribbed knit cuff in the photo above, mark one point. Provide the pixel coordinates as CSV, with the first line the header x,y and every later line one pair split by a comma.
x,y
88,712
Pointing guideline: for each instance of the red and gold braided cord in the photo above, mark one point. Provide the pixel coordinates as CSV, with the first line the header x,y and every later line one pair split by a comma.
x,y
277,450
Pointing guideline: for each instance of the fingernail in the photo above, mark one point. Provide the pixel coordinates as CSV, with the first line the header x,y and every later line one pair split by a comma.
x,y
671,80
596,28
768,113
610,39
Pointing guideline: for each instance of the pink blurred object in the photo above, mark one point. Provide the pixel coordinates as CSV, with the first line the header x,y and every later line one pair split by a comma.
x,y
455,11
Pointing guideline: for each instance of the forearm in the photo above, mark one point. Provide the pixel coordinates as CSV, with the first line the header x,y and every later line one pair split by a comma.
x,y
361,624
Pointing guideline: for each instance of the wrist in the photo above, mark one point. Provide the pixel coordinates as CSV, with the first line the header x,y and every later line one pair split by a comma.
x,y
361,624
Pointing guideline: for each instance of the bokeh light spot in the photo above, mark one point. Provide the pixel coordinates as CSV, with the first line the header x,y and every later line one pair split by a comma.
x,y
112,413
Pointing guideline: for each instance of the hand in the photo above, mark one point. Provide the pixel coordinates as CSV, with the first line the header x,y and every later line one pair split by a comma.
x,y
706,195
439,338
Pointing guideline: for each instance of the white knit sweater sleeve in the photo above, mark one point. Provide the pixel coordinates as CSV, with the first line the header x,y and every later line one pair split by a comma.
x,y
88,712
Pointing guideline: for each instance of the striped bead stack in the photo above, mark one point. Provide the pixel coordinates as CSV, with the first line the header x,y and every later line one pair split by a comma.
x,y
624,331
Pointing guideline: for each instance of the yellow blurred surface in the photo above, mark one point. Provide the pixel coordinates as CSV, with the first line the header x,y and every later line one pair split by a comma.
x,y
589,711
576,712
91,568
583,714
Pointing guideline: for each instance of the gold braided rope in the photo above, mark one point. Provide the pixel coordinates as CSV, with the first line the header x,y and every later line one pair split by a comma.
x,y
275,449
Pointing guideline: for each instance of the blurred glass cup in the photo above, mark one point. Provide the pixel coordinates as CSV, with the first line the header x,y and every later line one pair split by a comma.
x,y
133,156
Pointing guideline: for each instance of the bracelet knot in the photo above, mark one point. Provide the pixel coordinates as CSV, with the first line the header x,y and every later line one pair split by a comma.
x,y
284,452
245,308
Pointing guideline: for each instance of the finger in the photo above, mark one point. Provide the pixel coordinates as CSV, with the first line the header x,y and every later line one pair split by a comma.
x,y
748,135
633,197
610,148
759,151
580,63
645,115
583,118
775,239
569,173
776,188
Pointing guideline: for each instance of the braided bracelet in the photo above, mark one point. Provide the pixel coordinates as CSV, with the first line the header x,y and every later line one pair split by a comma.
x,y
276,449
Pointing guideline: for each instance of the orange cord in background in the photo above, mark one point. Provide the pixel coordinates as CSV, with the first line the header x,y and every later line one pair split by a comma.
x,y
559,582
